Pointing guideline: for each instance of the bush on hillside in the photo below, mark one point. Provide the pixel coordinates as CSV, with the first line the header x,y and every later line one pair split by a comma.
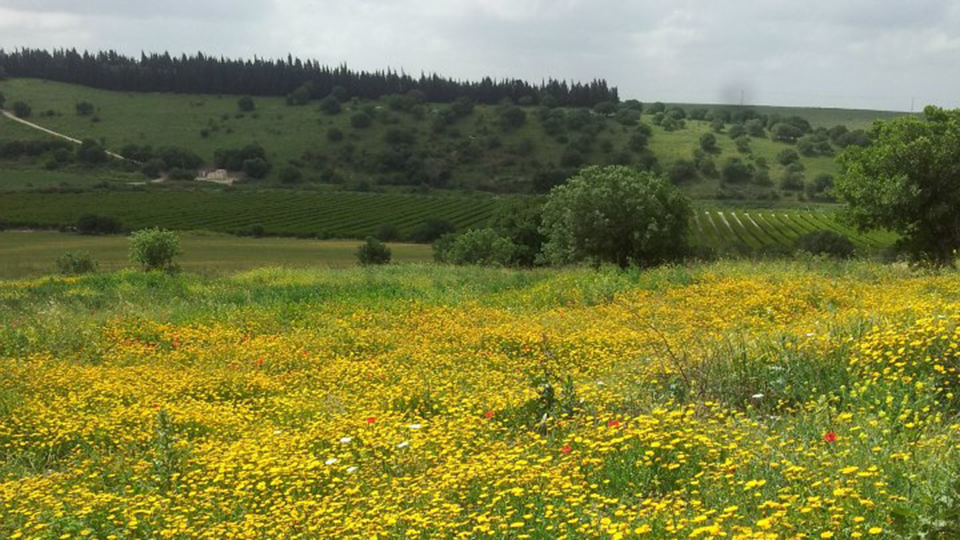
x,y
21,109
84,108
477,246
431,229
827,243
74,263
155,249
373,252
388,232
246,104
94,224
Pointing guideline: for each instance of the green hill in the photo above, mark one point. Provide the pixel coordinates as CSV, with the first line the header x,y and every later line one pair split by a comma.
x,y
419,146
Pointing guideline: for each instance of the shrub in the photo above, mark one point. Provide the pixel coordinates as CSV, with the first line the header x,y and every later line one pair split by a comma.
x,y
788,156
361,120
430,230
73,263
290,175
330,105
373,251
615,214
155,249
94,224
246,104
477,246
178,173
153,168
22,110
827,243
388,232
735,171
334,135
708,143
256,167
682,170
91,152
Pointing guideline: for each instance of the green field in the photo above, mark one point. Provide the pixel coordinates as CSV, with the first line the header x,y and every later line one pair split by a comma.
x,y
33,254
474,150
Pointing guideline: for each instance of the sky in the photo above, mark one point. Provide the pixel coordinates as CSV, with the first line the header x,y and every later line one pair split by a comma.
x,y
869,54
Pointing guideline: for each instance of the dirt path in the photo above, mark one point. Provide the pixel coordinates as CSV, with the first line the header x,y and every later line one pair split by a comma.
x,y
13,117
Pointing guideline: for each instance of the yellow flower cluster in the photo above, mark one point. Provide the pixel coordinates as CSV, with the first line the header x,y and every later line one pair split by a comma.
x,y
667,409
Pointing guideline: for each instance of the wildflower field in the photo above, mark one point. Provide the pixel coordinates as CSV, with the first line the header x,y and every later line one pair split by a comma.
x,y
731,400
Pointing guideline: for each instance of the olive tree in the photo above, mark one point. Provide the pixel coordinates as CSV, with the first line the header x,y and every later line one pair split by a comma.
x,y
154,249
615,214
906,181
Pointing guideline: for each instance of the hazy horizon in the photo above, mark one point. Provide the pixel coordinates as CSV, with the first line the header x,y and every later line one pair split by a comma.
x,y
861,54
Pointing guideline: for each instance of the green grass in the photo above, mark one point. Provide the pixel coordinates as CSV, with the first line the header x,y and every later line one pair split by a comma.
x,y
500,160
32,254
817,116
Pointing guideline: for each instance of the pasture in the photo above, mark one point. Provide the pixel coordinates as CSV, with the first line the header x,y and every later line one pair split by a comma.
x,y
34,254
743,401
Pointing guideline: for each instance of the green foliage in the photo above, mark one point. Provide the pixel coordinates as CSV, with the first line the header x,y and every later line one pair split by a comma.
x,y
735,171
256,168
330,105
615,214
300,96
373,252
788,156
682,171
708,143
74,263
906,181
155,249
827,243
246,104
431,229
290,174
94,224
361,120
511,117
519,221
21,109
3,100
476,246
388,232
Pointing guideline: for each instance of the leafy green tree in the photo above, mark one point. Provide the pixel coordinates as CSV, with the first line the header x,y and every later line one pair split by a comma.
x,y
388,232
330,105
605,108
256,167
154,249
735,171
632,105
615,214
21,109
682,171
743,144
519,221
788,156
511,116
361,120
785,133
477,246
717,125
737,130
431,229
755,128
708,143
373,252
906,181
657,107
290,174
301,95
74,263
91,153
246,104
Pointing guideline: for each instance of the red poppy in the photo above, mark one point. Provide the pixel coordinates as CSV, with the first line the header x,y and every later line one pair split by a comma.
x,y
488,414
156,405
613,423
259,361
830,437
566,449
175,344
371,420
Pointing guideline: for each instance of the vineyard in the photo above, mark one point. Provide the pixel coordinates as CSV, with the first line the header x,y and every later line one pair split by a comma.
x,y
753,230
334,215
355,215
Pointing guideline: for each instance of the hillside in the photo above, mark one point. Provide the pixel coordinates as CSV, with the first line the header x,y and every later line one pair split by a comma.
x,y
397,144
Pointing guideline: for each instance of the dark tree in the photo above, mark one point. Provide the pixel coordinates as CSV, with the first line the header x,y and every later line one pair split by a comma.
x,y
21,109
246,104
708,143
91,153
361,120
682,171
256,168
330,105
735,171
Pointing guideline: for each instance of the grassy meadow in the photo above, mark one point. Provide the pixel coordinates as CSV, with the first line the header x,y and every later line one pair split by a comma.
x,y
773,401
34,254
478,153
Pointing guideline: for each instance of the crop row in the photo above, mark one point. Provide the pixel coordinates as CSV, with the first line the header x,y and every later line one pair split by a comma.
x,y
339,214
760,229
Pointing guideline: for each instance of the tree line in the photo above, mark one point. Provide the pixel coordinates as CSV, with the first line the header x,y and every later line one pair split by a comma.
x,y
204,74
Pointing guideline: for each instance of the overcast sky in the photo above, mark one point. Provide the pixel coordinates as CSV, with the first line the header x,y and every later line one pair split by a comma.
x,y
842,53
